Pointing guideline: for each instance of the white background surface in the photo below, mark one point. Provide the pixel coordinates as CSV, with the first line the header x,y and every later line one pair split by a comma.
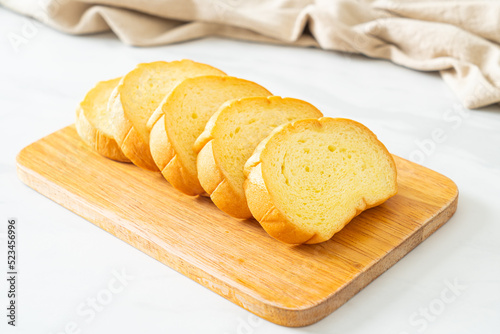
x,y
64,260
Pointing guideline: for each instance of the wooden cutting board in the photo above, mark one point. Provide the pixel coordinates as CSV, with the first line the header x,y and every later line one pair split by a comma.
x,y
288,285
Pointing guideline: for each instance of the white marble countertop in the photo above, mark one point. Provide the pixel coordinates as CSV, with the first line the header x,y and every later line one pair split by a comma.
x,y
448,284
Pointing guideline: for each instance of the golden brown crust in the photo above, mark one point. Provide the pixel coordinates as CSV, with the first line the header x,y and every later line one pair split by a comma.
x,y
97,140
133,137
218,187
228,197
161,150
254,160
270,218
166,160
186,180
130,141
261,202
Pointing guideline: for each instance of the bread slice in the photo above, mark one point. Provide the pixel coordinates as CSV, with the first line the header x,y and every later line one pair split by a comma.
x,y
229,139
136,98
93,122
309,178
186,111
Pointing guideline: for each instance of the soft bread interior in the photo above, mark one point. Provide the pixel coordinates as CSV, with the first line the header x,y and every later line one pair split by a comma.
x,y
320,174
95,104
142,89
242,124
191,104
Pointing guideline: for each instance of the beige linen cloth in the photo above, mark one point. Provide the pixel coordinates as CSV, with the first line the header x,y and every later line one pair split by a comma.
x,y
459,38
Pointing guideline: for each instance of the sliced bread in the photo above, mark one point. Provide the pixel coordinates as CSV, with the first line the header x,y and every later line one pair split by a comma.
x,y
93,122
136,98
309,178
229,139
185,113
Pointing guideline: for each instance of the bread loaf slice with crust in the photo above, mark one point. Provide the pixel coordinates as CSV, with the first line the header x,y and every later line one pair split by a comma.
x,y
93,122
309,178
136,98
185,113
229,139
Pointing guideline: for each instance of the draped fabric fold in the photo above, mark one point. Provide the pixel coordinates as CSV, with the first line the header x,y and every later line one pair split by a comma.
x,y
458,38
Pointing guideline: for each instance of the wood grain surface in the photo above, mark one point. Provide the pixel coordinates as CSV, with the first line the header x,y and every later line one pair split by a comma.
x,y
288,285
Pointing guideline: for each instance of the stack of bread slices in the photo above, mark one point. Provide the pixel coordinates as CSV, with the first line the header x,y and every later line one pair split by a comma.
x,y
301,175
